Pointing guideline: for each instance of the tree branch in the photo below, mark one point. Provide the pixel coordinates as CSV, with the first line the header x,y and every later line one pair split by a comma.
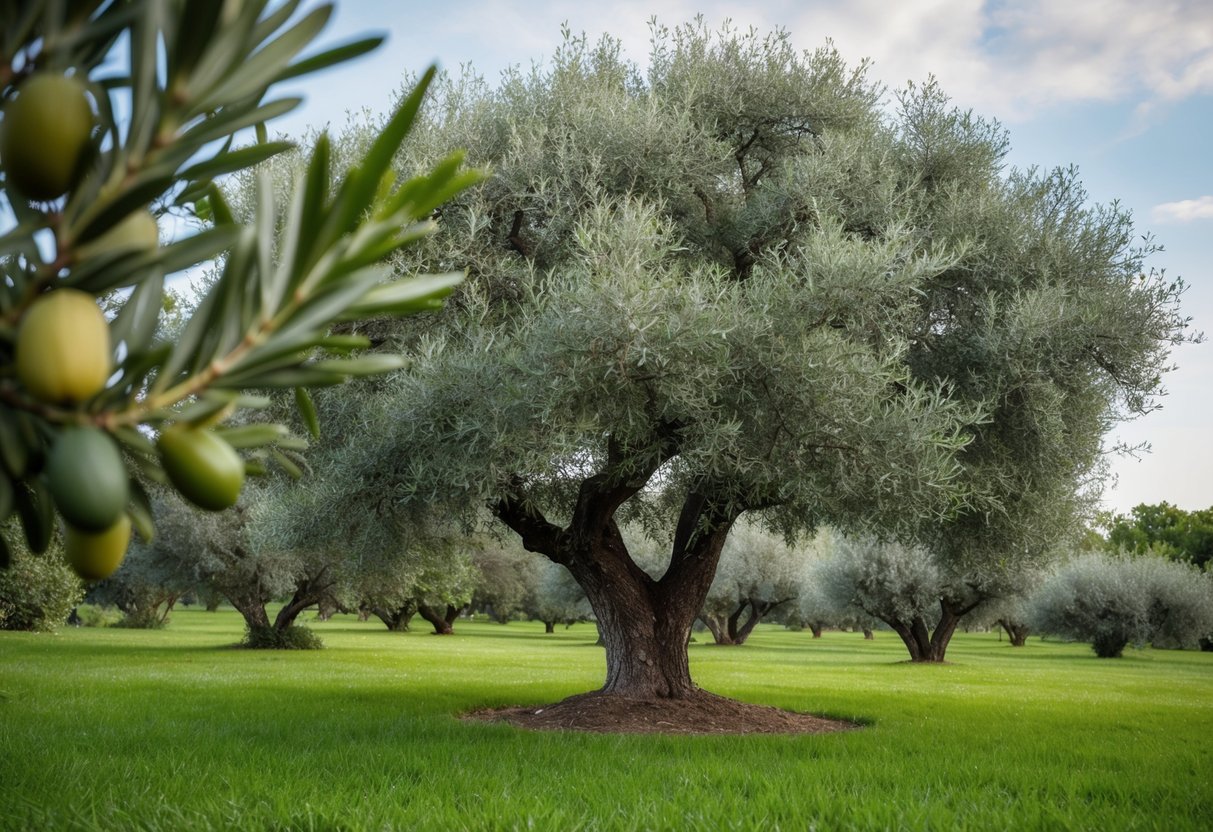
x,y
538,535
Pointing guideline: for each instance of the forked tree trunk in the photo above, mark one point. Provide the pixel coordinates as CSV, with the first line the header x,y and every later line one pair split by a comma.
x,y
437,619
815,627
645,622
1017,632
759,609
253,612
925,645
718,628
645,640
396,620
867,634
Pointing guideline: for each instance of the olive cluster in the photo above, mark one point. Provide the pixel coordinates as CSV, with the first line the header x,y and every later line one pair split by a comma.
x,y
63,355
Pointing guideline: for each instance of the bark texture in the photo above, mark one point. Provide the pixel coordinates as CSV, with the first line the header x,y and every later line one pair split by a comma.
x,y
645,622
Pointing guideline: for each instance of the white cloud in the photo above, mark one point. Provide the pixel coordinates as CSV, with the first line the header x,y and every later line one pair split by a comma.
x,y
1186,210
1016,59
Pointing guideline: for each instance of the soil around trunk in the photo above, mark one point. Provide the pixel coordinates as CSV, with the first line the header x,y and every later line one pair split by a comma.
x,y
700,713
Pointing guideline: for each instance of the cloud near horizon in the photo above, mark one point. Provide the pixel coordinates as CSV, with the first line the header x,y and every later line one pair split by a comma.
x,y
1185,210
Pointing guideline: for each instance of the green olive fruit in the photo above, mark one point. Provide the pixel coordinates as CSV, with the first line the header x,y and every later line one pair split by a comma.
x,y
87,478
205,469
63,347
45,135
137,232
97,555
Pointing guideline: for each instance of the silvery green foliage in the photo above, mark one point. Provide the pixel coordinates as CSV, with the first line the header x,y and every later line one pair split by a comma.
x,y
625,318
505,576
1051,314
816,606
888,580
757,566
919,594
217,551
1113,601
554,596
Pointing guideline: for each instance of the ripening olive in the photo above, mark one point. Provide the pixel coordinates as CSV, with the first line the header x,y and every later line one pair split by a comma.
x,y
97,555
63,347
137,232
205,469
46,132
87,478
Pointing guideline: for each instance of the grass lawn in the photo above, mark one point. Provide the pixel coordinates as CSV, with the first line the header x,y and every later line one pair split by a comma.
x,y
123,729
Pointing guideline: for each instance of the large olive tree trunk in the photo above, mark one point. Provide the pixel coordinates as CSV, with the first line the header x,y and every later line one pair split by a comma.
x,y
645,623
250,601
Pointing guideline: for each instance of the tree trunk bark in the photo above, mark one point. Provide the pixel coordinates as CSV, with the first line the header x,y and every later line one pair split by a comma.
x,y
948,620
549,626
254,613
395,620
718,629
867,634
1016,632
645,623
815,629
758,611
442,627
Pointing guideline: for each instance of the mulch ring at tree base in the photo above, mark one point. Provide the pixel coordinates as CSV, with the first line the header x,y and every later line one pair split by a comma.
x,y
703,713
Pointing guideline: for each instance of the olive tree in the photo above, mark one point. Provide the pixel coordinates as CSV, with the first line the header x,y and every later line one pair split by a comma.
x,y
146,587
1114,600
94,403
918,594
554,597
758,573
736,285
219,553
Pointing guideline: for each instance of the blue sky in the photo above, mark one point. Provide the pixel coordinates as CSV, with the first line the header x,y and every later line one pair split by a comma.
x,y
1120,88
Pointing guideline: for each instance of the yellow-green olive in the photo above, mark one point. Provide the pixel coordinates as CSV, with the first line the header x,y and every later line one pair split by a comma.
x,y
97,555
46,132
87,478
63,347
206,470
137,232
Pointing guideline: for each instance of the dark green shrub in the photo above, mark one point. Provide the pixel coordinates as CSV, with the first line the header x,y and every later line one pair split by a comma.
x,y
295,637
37,592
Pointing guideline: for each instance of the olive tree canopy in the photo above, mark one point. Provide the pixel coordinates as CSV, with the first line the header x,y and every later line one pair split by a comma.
x,y
736,284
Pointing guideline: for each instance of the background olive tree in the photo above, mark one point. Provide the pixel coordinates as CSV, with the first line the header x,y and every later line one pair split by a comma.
x,y
1113,601
758,574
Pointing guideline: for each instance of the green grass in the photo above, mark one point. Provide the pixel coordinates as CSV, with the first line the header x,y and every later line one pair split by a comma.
x,y
174,729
